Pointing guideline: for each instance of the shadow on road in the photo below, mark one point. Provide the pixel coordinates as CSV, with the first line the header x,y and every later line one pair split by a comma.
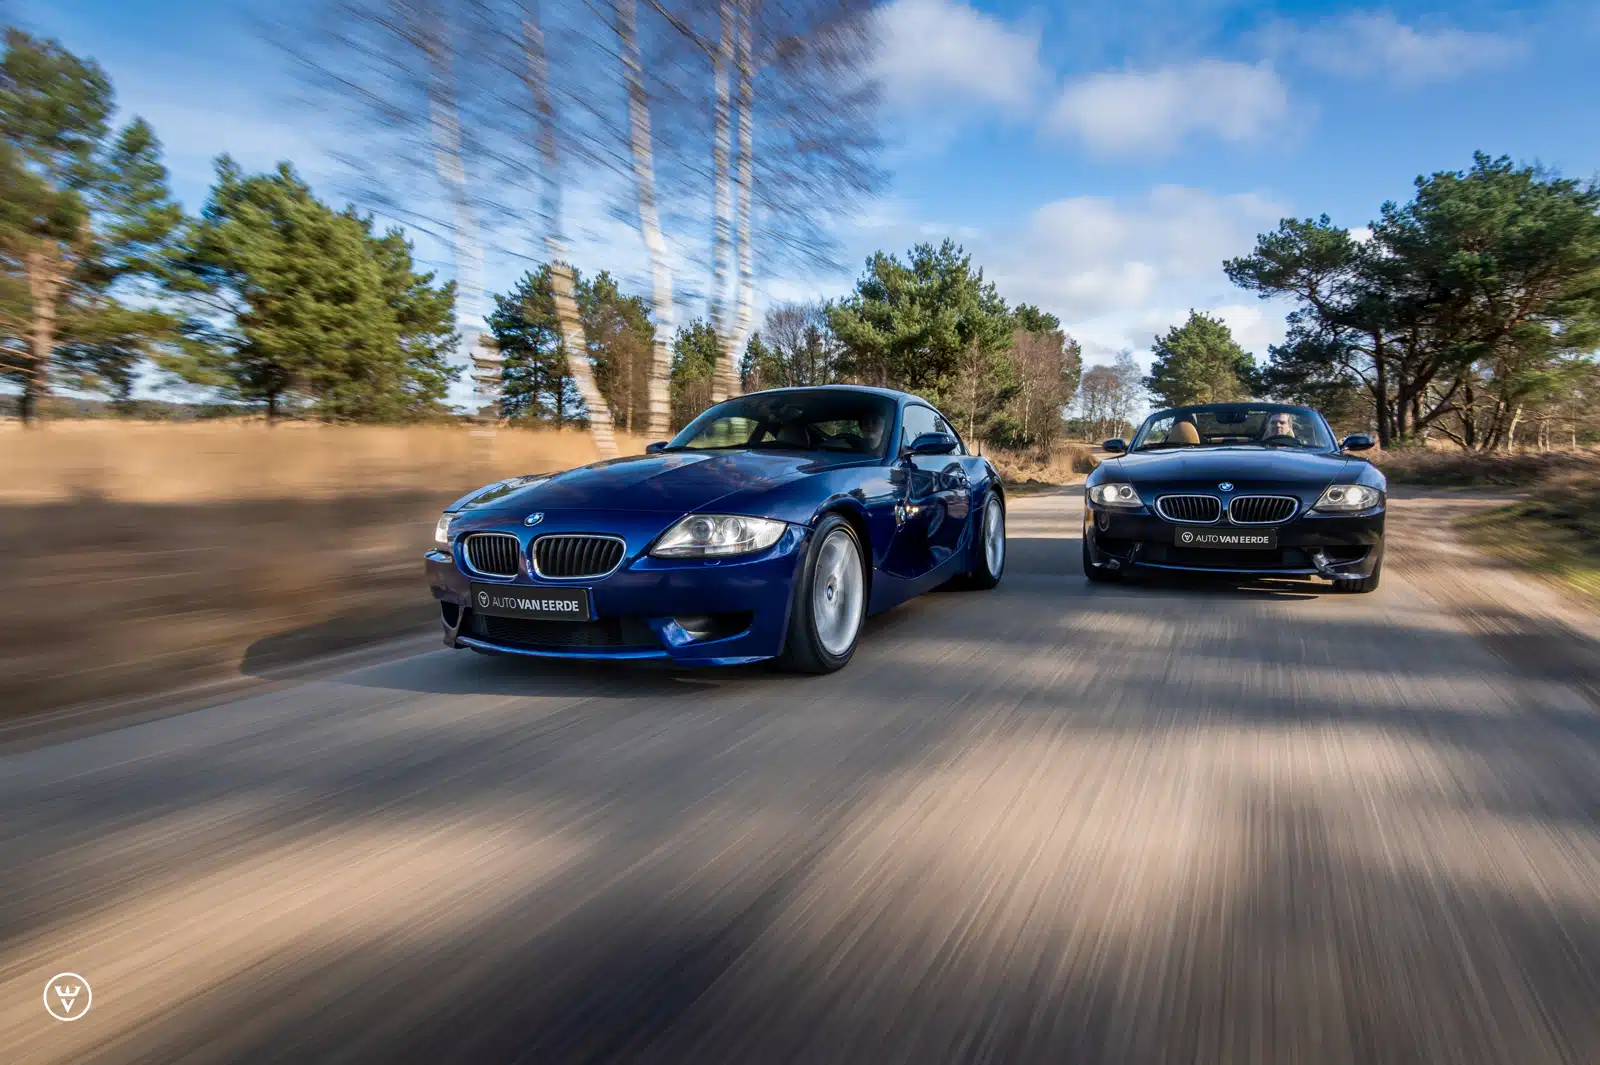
x,y
1055,822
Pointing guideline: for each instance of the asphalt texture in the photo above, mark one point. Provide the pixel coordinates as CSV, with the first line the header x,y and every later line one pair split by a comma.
x,y
1166,822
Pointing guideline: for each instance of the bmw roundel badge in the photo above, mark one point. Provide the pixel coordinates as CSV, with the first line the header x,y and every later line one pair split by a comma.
x,y
533,519
1225,486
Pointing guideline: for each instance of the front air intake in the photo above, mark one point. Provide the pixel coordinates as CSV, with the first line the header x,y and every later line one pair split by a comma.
x,y
1191,510
1262,510
578,556
492,554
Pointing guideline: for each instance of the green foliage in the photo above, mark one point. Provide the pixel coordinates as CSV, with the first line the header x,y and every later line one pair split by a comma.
x,y
1455,316
911,324
694,360
1199,362
299,303
85,223
536,383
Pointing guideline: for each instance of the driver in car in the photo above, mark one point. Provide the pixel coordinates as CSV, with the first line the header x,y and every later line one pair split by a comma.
x,y
1279,423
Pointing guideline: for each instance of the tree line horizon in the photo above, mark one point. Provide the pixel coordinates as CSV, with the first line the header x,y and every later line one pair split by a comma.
x,y
1470,314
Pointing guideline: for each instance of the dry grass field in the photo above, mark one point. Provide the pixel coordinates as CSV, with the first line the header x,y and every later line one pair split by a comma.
x,y
141,557
147,555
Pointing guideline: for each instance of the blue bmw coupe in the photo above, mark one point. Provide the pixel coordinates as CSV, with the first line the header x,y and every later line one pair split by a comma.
x,y
769,528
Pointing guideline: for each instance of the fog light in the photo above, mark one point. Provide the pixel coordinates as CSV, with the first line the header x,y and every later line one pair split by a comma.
x,y
698,626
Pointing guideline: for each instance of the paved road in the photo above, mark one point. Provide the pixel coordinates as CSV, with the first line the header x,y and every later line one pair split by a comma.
x,y
1047,823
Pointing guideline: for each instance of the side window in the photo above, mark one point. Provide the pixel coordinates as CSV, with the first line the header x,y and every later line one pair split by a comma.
x,y
942,426
917,420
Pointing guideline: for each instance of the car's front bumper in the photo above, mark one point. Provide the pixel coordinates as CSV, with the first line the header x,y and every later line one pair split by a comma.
x,y
1332,546
637,608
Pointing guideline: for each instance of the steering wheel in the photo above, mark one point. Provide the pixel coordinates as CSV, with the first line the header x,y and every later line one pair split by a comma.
x,y
1289,438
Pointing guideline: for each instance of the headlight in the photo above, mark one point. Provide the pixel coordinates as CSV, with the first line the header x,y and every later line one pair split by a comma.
x,y
1115,495
717,535
1347,497
441,531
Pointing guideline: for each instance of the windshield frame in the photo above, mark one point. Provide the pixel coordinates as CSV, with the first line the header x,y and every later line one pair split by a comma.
x,y
886,406
1313,417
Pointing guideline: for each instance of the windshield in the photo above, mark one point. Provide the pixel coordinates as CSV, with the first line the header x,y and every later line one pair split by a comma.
x,y
832,420
1234,425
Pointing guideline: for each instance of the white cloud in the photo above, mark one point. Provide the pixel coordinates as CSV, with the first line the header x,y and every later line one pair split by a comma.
x,y
1088,256
1153,112
943,51
1118,272
1376,44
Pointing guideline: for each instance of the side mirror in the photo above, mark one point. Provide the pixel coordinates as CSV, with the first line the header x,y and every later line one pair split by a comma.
x,y
932,444
1356,442
1115,444
659,445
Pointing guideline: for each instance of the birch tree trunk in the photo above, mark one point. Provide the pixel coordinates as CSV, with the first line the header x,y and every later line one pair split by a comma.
x,y
570,322
649,218
746,296
466,238
724,379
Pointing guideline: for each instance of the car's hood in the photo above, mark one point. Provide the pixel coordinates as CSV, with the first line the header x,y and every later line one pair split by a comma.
x,y
1247,467
678,481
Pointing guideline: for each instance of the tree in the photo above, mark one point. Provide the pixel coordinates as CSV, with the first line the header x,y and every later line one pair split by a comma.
x,y
1451,315
1049,365
84,216
795,347
695,351
296,302
1199,362
912,324
538,383
535,383
405,73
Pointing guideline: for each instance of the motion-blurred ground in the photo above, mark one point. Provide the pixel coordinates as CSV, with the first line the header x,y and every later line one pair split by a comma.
x,y
1050,823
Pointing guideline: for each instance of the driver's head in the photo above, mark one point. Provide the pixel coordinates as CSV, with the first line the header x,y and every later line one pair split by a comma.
x,y
872,427
1279,423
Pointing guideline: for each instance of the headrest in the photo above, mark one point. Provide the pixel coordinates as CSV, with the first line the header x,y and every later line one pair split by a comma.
x,y
1183,433
793,434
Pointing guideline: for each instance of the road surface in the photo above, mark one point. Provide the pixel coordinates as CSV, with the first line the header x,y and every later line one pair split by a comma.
x,y
1052,823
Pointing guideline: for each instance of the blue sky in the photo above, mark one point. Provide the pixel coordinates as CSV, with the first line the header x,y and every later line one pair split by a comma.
x,y
1100,158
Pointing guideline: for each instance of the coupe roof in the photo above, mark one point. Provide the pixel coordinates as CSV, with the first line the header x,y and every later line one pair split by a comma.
x,y
871,390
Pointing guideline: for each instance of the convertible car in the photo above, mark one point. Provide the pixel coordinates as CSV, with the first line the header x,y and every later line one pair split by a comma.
x,y
1240,488
770,527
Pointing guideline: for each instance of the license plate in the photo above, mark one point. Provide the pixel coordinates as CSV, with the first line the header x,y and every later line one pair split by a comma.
x,y
1234,540
523,601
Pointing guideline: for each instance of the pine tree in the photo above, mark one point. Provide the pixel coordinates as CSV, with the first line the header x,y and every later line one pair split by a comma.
x,y
1200,362
297,304
536,382
85,216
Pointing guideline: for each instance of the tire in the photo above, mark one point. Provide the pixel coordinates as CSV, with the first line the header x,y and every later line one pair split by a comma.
x,y
1365,584
1097,574
829,601
991,564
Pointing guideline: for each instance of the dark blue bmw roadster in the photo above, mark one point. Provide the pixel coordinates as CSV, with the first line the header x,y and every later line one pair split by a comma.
x,y
1256,489
770,527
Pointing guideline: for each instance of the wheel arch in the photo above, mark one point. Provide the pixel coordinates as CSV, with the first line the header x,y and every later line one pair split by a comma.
x,y
853,514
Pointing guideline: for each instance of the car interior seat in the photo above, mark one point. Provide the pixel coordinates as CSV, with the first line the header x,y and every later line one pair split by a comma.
x,y
793,434
1183,433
